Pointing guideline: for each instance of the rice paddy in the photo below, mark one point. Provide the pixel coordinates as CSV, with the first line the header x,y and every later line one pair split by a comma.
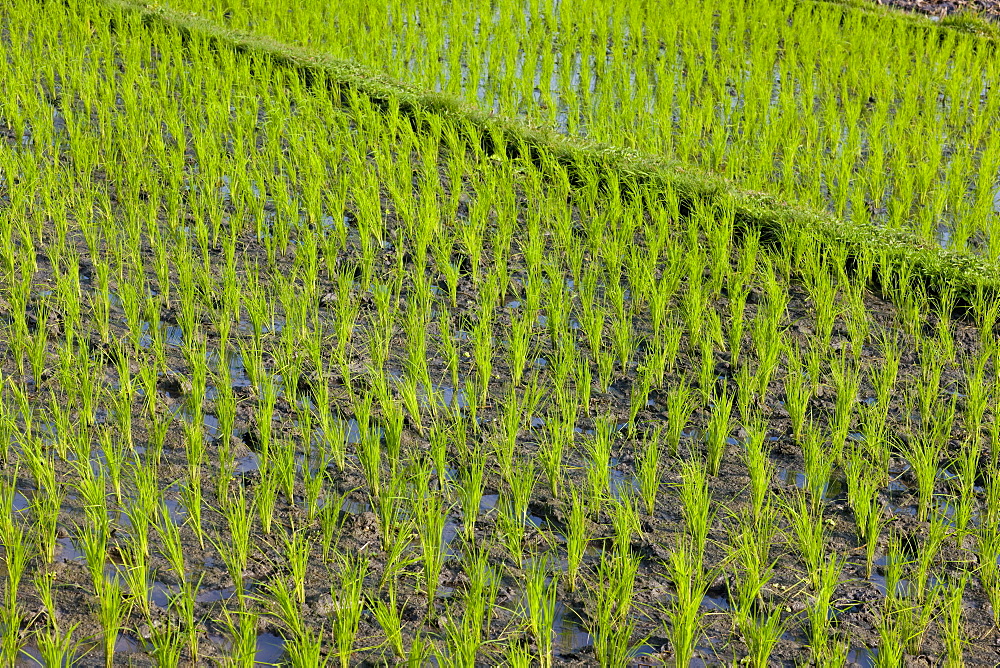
x,y
288,377
873,118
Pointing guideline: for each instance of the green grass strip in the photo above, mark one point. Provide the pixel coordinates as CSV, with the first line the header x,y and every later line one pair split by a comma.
x,y
899,252
962,21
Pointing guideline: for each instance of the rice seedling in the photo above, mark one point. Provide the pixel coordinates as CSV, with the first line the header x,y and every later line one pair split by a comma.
x,y
56,647
749,546
511,527
696,504
818,464
599,457
470,490
347,593
809,530
612,625
937,531
465,639
760,467
690,580
761,634
953,609
112,610
182,604
966,466
825,646
625,522
266,495
389,615
541,586
988,551
518,656
718,434
680,405
576,536
297,548
431,514
862,495
905,620
648,471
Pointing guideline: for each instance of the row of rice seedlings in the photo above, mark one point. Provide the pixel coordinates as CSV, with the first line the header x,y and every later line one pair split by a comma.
x,y
405,485
790,103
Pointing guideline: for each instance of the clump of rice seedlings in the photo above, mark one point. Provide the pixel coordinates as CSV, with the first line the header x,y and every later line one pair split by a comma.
x,y
761,633
905,619
518,655
347,592
966,466
768,344
862,496
431,514
599,457
389,615
718,433
576,536
809,530
825,646
823,294
690,580
819,462
56,645
234,544
112,610
696,502
759,465
541,587
16,555
988,552
937,531
680,405
296,549
389,508
138,577
749,547
625,521
797,393
648,470
465,637
953,624
883,377
510,523
470,488
46,505
553,444
612,625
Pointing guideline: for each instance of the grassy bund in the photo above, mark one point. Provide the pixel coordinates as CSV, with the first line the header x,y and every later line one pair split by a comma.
x,y
303,366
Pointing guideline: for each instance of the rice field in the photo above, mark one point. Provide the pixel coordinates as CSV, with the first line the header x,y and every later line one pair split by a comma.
x,y
871,117
289,378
